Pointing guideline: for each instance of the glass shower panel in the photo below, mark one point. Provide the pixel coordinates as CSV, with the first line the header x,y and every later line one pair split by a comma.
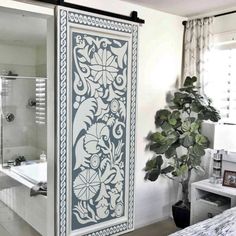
x,y
23,119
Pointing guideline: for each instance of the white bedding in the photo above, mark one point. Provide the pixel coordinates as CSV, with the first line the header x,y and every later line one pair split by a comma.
x,y
220,225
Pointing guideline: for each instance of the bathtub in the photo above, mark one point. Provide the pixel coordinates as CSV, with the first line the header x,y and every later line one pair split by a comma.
x,y
34,173
15,185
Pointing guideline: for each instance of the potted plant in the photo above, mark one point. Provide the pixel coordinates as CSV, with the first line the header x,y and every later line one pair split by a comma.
x,y
178,143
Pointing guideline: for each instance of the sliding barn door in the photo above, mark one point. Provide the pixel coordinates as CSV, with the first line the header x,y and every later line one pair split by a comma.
x,y
96,103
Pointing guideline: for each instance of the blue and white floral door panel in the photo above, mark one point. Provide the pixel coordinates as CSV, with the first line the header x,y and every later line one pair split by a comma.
x,y
96,123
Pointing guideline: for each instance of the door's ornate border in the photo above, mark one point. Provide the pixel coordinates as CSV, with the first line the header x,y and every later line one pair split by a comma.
x,y
65,17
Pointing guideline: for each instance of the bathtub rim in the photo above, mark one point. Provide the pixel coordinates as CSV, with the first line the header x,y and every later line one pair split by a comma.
x,y
16,170
17,177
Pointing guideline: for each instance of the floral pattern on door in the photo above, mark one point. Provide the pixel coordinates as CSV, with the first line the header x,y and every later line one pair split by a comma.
x,y
96,115
99,126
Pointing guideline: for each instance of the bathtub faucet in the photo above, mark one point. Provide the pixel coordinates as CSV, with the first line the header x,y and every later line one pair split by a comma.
x,y
18,160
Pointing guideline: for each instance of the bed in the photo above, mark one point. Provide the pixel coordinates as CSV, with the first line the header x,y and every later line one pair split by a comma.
x,y
220,225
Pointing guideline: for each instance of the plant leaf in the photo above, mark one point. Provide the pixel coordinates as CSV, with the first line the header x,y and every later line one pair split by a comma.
x,y
172,121
188,141
154,163
153,168
189,81
166,126
161,116
202,140
158,149
167,170
171,151
158,137
183,169
150,164
186,125
195,126
153,174
198,150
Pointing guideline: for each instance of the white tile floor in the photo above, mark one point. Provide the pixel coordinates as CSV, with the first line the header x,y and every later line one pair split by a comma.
x,y
12,225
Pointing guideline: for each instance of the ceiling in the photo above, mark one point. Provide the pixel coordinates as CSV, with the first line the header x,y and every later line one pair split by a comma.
x,y
22,30
187,8
19,29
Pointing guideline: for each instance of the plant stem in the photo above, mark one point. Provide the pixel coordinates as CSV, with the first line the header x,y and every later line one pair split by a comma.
x,y
169,177
185,189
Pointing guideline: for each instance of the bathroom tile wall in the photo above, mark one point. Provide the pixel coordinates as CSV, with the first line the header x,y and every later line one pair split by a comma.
x,y
22,136
41,66
19,136
18,59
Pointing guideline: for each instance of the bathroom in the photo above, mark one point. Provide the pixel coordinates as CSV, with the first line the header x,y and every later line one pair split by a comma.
x,y
24,74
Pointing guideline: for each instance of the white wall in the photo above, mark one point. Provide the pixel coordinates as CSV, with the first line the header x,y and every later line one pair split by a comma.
x,y
160,53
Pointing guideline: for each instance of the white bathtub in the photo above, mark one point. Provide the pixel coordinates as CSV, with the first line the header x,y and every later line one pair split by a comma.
x,y
15,185
34,173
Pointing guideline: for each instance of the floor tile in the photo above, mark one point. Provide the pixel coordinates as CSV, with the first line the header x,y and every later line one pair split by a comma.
x,y
162,228
2,205
13,225
19,228
3,232
6,215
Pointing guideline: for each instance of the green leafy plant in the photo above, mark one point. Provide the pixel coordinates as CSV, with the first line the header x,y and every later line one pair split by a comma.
x,y
178,143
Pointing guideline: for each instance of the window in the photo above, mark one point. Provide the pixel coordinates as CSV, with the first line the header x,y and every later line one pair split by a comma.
x,y
41,103
221,84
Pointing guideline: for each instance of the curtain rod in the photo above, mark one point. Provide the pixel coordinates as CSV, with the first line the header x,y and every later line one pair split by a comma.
x,y
218,15
133,16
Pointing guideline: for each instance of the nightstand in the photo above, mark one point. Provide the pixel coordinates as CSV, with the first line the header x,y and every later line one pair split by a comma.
x,y
208,200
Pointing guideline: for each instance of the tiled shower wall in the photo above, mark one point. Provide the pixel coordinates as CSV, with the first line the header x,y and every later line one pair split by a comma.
x,y
22,136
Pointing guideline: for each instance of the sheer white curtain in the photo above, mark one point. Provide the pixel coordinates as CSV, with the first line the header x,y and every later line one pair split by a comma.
x,y
197,45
